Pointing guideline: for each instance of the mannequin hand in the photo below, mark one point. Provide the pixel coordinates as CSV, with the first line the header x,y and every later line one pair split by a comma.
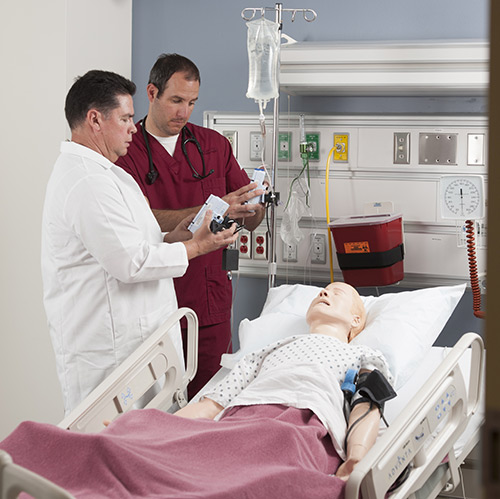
x,y
345,469
354,455
206,408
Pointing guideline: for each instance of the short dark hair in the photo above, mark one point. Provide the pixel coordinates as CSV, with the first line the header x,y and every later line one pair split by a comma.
x,y
168,64
96,89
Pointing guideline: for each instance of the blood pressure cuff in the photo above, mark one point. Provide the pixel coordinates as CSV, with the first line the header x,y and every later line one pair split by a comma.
x,y
373,387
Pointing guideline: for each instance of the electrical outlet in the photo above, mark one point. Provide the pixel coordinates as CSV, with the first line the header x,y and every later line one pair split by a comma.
x,y
284,146
318,248
256,146
232,136
289,252
401,148
259,245
244,243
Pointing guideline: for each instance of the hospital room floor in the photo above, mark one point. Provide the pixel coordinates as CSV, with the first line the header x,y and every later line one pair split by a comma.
x,y
471,472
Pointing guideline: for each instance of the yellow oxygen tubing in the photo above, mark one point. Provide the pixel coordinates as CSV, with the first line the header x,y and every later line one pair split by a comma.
x,y
327,202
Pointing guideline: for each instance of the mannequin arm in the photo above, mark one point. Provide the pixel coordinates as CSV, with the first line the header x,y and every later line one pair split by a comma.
x,y
361,438
205,408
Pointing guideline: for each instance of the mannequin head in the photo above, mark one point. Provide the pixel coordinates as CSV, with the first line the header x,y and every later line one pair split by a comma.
x,y
337,311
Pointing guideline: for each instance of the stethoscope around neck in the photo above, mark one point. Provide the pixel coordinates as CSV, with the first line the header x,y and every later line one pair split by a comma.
x,y
186,137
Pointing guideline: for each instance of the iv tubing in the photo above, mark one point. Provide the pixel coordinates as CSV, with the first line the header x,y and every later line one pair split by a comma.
x,y
327,202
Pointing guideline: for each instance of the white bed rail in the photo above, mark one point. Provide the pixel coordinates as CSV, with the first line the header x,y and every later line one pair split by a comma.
x,y
15,479
424,433
156,357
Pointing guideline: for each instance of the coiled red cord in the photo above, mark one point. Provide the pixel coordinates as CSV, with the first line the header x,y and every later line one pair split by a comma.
x,y
474,280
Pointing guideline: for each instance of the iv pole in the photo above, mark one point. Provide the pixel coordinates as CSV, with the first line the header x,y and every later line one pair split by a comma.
x,y
278,8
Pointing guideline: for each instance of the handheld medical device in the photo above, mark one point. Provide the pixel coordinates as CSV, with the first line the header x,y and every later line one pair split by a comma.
x,y
258,176
218,207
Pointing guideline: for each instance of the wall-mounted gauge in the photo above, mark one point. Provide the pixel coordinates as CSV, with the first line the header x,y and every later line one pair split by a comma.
x,y
462,197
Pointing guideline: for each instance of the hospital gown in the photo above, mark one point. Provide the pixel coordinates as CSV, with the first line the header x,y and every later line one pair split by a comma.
x,y
303,371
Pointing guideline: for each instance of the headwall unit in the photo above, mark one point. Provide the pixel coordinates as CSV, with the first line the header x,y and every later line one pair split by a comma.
x,y
371,172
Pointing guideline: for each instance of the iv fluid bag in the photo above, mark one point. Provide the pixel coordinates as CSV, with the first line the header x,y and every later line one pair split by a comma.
x,y
263,46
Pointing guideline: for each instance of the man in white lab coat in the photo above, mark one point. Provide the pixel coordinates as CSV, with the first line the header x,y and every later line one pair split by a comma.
x,y
107,268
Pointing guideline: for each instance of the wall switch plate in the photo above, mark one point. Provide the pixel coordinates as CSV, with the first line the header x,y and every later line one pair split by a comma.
x,y
401,148
475,149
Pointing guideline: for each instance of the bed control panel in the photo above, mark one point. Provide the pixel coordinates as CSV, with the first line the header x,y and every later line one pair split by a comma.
x,y
417,448
444,406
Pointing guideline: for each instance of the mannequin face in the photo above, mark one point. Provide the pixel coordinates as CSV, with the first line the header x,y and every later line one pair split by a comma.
x,y
337,305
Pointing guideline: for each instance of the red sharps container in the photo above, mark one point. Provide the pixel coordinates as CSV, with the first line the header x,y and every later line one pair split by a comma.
x,y
369,249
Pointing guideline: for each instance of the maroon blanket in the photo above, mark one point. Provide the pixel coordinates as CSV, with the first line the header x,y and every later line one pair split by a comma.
x,y
253,452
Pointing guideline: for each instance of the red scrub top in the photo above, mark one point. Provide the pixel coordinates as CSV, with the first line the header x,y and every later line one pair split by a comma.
x,y
205,287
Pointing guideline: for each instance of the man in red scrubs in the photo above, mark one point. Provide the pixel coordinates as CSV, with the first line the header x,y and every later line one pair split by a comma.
x,y
178,165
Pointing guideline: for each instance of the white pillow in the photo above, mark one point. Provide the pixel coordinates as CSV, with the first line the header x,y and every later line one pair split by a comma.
x,y
403,326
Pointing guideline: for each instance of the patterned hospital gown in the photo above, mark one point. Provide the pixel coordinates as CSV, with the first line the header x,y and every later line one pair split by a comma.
x,y
303,371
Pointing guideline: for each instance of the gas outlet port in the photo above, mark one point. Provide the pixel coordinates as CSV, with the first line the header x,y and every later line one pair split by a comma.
x,y
341,147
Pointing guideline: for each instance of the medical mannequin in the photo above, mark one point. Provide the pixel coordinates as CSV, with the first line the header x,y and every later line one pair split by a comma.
x,y
337,312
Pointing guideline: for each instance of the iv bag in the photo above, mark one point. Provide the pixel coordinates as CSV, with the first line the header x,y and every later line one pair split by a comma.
x,y
263,44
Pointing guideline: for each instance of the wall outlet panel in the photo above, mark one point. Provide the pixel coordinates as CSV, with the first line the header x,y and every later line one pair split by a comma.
x,y
437,148
244,244
284,146
318,248
313,139
371,174
402,148
341,147
290,253
259,245
256,146
232,136
475,149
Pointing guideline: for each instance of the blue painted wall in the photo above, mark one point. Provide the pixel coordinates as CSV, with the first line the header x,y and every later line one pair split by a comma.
x,y
213,34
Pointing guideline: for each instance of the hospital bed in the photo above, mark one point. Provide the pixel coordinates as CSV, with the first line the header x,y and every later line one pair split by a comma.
x,y
433,423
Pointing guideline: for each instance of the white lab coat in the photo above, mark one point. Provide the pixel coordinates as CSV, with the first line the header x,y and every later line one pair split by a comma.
x,y
107,274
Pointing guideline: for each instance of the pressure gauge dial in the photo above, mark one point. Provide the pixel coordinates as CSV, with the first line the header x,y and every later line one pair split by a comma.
x,y
462,197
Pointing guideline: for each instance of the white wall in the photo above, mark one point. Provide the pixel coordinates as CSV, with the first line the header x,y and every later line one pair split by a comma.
x,y
44,45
